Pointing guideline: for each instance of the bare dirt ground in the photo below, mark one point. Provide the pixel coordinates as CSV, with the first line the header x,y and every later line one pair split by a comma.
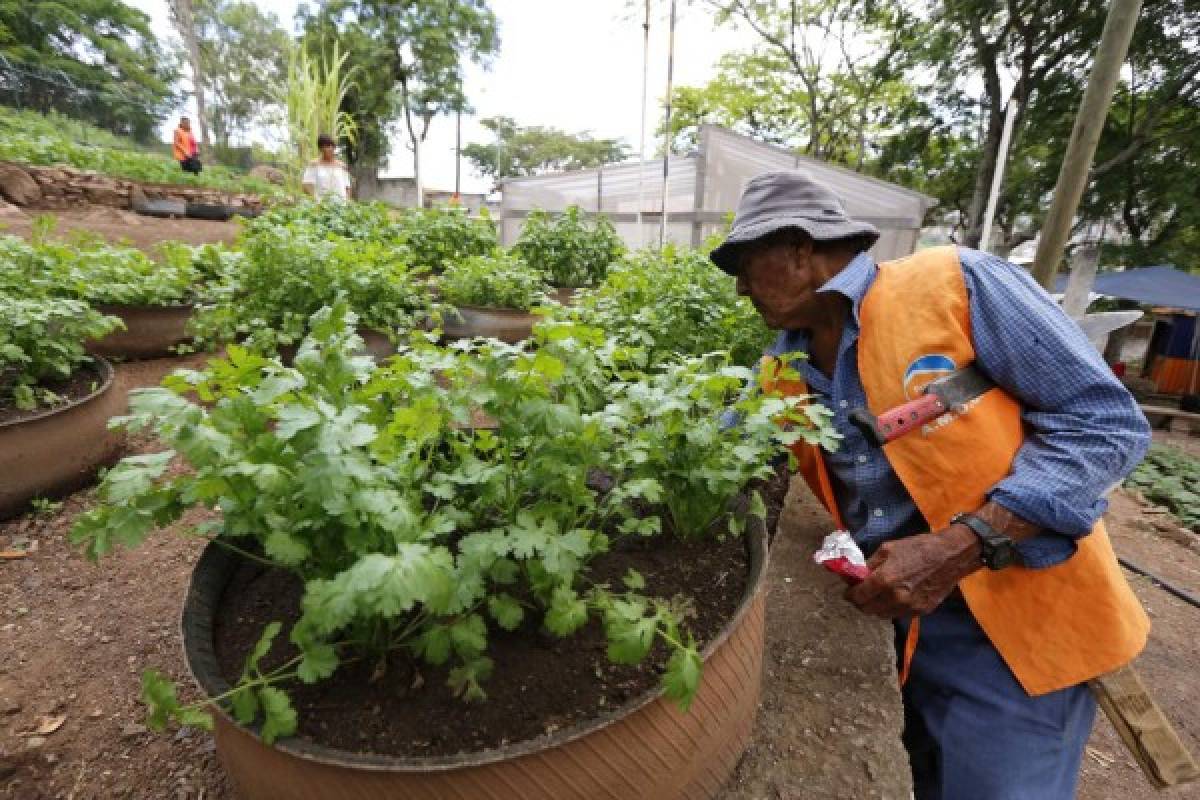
x,y
124,227
830,719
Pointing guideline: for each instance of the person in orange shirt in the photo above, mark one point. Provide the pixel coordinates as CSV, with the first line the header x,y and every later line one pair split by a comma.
x,y
185,150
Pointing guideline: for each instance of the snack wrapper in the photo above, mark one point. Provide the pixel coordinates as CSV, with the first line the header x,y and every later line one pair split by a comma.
x,y
840,555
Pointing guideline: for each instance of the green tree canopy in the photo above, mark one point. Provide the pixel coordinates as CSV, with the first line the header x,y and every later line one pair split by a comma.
x,y
414,52
533,150
243,52
93,59
822,78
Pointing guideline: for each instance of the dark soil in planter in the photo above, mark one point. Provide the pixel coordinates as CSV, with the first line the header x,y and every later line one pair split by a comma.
x,y
540,683
83,381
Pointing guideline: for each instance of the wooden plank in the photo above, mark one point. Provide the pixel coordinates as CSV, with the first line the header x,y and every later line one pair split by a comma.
x,y
1145,730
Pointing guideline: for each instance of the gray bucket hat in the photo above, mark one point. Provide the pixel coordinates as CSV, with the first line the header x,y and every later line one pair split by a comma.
x,y
787,199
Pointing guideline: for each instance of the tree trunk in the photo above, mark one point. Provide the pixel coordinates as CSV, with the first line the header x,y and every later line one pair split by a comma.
x,y
983,176
185,23
365,175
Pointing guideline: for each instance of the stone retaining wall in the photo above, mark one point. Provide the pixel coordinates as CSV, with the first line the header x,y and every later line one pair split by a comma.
x,y
61,187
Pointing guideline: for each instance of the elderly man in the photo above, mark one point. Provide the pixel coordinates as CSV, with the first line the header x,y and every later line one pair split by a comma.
x,y
983,530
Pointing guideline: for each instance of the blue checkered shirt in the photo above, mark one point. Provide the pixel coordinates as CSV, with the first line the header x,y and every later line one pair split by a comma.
x,y
1084,431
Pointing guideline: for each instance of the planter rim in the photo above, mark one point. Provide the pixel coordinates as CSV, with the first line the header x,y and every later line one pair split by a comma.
x,y
107,375
503,312
212,683
118,307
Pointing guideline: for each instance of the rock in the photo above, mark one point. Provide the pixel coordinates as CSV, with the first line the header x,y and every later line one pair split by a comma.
x,y
17,187
34,742
132,729
107,194
10,213
269,174
137,197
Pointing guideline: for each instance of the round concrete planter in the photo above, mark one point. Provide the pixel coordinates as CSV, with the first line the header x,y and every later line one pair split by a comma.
x,y
645,749
504,324
150,331
59,450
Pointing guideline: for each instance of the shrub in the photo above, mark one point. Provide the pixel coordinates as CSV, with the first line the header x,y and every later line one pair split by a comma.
x,y
570,251
499,280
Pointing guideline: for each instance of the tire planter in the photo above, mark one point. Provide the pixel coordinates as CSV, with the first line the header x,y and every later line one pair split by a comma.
x,y
375,344
647,748
564,297
504,324
150,331
60,450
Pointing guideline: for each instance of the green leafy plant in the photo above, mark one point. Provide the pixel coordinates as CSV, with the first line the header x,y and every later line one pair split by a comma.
x,y
415,530
289,271
93,270
41,342
673,303
1170,477
329,217
440,237
500,280
571,251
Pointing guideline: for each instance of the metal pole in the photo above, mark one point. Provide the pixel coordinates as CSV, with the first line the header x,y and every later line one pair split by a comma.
x,y
458,154
1081,280
985,237
1089,121
641,236
662,230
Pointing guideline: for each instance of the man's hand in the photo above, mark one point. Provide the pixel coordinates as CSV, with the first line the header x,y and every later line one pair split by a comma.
x,y
914,575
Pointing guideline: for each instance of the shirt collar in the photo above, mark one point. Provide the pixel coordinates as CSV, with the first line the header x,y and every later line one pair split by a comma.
x,y
853,281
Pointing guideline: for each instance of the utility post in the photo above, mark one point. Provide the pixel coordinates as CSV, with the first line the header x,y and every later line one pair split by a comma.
x,y
1085,135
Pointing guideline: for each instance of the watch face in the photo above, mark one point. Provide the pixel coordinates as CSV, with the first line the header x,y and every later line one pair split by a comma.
x,y
1001,556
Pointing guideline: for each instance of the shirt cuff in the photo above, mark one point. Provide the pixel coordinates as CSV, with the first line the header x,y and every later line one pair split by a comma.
x,y
1046,510
1046,550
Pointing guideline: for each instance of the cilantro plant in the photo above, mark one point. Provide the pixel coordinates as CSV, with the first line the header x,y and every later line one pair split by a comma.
x,y
499,280
321,219
92,270
417,529
1171,477
572,252
289,271
440,237
673,303
42,341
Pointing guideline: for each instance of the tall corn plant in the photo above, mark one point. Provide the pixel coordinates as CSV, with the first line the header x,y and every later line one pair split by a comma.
x,y
313,97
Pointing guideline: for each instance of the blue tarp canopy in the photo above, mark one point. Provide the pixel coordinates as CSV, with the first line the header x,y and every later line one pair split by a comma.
x,y
1149,286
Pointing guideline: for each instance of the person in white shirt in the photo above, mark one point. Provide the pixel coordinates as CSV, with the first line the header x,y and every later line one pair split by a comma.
x,y
326,176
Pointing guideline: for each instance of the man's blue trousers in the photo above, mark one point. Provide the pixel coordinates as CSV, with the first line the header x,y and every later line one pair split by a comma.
x,y
971,731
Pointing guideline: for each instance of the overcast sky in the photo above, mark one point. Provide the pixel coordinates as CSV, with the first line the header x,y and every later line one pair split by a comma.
x,y
570,64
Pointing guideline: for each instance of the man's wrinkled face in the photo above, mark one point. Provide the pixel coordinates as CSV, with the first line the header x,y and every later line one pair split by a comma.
x,y
780,280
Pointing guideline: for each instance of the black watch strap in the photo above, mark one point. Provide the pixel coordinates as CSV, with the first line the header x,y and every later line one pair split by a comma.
x,y
998,551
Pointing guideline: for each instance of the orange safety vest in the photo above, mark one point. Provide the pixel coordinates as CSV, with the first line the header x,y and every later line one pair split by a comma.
x,y
1054,627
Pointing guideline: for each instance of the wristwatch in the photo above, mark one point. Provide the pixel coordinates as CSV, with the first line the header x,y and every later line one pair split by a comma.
x,y
999,551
